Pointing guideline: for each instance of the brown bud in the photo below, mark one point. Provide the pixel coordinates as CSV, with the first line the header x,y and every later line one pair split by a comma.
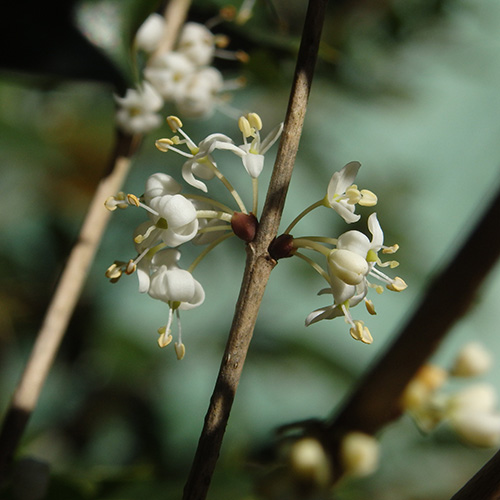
x,y
244,226
282,247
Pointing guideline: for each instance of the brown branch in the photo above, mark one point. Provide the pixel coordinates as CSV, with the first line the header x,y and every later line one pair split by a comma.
x,y
68,290
259,264
375,402
61,308
484,485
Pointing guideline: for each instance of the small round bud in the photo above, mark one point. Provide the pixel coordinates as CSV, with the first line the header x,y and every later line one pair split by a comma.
x,y
282,247
359,454
244,226
473,359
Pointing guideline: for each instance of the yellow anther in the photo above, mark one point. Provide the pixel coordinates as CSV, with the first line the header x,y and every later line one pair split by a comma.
x,y
165,338
391,249
114,271
174,123
222,41
242,56
163,144
398,285
228,12
361,332
370,307
368,199
131,267
244,126
353,194
111,204
180,350
255,121
393,264
380,289
133,200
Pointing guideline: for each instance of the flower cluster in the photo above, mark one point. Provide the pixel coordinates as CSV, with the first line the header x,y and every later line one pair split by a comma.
x,y
184,77
470,411
175,218
349,260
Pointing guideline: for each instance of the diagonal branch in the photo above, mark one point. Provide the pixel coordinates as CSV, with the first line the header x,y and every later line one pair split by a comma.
x,y
71,282
375,402
259,264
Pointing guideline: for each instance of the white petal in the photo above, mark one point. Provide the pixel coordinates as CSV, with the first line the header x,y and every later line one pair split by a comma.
x,y
160,184
354,241
253,164
342,179
149,34
376,231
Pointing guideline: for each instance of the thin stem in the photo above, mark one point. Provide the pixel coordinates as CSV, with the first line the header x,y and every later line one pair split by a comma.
x,y
229,187
213,214
311,245
255,190
209,201
208,249
310,208
314,265
259,264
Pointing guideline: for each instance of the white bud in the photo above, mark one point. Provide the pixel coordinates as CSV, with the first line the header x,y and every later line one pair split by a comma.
x,y
359,454
473,359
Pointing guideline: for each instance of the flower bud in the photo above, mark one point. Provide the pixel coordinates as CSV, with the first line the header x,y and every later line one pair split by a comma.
x,y
244,226
359,454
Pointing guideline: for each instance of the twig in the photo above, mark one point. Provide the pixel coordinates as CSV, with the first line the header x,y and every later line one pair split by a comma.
x,y
72,280
484,485
62,305
258,265
375,402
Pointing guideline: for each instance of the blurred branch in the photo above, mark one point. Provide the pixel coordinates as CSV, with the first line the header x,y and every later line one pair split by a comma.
x,y
484,485
259,264
63,303
375,402
69,288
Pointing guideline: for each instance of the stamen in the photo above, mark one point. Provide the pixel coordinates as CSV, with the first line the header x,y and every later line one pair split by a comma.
x,y
370,307
368,198
255,121
114,271
244,126
141,237
398,285
133,200
174,123
131,267
361,332
390,250
353,195
163,144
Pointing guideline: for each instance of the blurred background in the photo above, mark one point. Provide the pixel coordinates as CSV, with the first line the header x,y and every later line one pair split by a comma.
x,y
410,88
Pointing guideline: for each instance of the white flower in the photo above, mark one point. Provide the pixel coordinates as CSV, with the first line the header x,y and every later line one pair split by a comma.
x,y
138,109
473,359
160,184
169,74
200,162
174,219
349,266
149,34
359,454
199,94
177,288
197,43
252,153
342,195
472,414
